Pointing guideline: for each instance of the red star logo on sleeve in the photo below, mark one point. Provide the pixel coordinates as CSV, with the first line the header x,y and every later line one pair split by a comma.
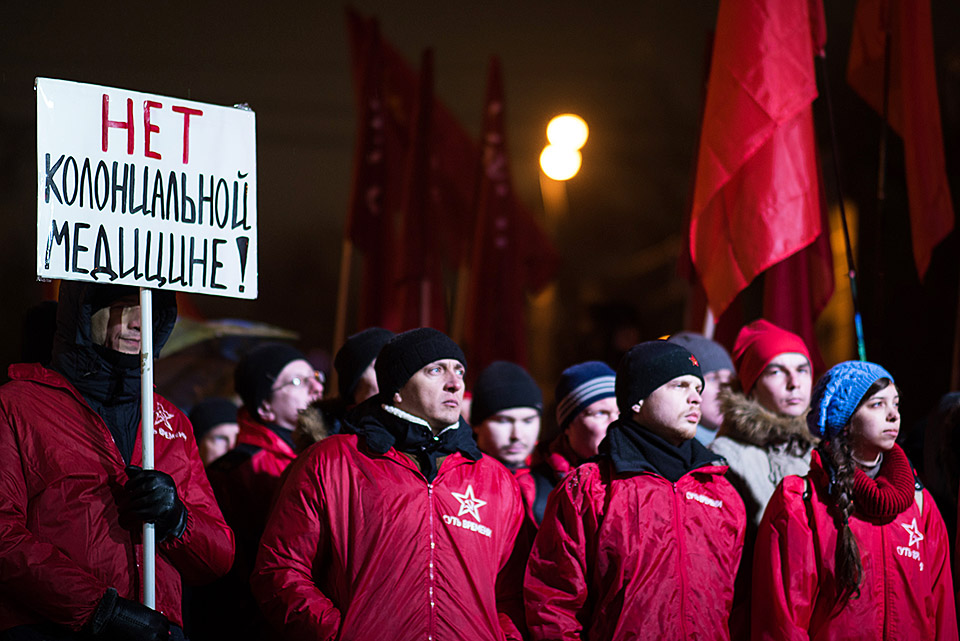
x,y
469,504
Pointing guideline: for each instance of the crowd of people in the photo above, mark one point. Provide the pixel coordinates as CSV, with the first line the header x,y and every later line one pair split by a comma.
x,y
690,493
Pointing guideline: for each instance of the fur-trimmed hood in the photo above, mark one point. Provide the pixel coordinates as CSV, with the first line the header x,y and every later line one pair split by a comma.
x,y
313,424
747,421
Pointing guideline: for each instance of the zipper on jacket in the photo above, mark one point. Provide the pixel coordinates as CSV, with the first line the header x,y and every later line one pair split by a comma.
x,y
886,583
432,559
681,553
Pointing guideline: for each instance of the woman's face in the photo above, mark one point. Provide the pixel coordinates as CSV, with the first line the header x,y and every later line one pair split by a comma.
x,y
875,425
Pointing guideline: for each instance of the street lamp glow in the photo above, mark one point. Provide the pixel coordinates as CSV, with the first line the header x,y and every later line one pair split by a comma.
x,y
568,130
559,163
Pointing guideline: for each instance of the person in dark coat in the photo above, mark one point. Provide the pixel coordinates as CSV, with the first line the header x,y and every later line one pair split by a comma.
x,y
73,497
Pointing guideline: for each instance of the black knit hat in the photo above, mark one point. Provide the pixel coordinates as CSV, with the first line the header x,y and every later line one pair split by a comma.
x,y
209,413
407,352
502,386
649,365
355,357
257,371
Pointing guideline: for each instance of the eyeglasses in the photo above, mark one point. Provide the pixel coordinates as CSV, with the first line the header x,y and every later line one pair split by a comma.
x,y
297,381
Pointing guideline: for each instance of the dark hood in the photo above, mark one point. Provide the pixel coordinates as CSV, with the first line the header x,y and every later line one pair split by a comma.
x,y
73,351
108,380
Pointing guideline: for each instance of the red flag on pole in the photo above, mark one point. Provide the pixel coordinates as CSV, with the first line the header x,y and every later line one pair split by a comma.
x,y
511,255
422,297
757,198
913,107
450,157
796,289
374,199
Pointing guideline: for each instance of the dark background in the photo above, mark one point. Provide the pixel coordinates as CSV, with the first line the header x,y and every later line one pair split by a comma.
x,y
634,71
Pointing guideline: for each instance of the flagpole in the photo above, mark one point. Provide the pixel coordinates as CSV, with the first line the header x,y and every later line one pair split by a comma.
x,y
343,291
460,303
146,436
851,265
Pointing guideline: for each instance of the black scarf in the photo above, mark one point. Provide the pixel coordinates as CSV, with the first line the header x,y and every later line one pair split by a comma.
x,y
111,386
381,430
632,448
285,434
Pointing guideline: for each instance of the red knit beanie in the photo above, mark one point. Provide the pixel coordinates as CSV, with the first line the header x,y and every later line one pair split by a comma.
x,y
759,343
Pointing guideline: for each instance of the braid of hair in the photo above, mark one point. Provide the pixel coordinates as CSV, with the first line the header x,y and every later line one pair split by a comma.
x,y
849,567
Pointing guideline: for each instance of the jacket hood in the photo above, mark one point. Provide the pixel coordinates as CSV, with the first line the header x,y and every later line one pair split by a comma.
x,y
317,422
747,421
73,349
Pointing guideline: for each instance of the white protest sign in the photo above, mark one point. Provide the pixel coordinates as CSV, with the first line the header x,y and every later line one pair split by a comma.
x,y
145,190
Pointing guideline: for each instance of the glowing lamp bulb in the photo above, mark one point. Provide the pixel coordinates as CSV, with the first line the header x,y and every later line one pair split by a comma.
x,y
568,130
559,163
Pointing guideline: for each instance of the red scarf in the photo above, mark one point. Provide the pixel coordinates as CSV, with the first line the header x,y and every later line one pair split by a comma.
x,y
891,492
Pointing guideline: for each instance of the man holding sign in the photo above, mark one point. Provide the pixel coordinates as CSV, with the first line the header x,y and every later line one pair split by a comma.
x,y
73,497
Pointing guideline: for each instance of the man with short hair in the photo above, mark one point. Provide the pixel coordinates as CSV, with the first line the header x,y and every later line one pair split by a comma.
x,y
505,415
73,497
644,542
718,372
402,530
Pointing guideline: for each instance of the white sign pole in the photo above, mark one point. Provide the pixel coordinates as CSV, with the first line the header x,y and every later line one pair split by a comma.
x,y
146,434
147,191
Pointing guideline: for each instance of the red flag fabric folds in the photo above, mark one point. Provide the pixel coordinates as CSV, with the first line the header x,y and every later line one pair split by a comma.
x,y
388,134
756,199
511,254
913,107
374,198
421,293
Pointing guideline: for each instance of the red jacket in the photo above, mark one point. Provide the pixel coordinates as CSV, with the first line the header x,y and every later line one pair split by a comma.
x,y
634,556
61,545
245,481
907,590
274,454
360,546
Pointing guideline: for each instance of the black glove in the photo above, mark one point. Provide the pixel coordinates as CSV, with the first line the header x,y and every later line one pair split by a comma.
x,y
151,496
119,619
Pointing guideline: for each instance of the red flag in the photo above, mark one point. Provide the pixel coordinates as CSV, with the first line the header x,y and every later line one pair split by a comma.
x,y
914,110
371,225
422,300
451,158
756,199
511,254
797,289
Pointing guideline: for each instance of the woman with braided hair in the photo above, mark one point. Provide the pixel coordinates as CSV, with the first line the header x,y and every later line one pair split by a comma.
x,y
857,548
